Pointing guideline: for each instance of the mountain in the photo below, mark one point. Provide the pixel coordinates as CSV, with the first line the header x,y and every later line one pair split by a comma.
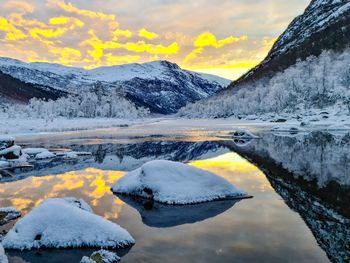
x,y
161,86
325,25
305,74
12,89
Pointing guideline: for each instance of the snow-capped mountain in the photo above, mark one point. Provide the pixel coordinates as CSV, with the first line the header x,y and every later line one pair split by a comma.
x,y
305,73
325,25
161,86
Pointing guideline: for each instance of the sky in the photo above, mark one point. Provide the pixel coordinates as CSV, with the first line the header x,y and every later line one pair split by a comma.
x,y
222,37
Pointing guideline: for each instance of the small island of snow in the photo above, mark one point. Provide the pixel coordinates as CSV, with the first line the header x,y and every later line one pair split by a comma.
x,y
65,223
176,183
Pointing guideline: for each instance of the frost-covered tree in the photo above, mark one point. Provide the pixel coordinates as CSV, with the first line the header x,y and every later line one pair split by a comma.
x,y
93,104
316,83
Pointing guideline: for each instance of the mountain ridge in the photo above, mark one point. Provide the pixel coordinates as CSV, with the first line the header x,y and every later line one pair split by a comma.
x,y
161,86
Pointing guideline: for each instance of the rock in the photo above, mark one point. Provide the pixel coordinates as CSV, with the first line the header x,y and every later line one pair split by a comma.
x,y
8,214
6,142
65,223
10,153
101,256
176,183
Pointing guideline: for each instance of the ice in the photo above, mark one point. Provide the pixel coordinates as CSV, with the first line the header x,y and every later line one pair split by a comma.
x,y
65,223
3,257
176,183
101,256
45,155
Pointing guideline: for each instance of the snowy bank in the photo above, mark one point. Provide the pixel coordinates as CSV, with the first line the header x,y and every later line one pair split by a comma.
x,y
176,183
65,223
7,214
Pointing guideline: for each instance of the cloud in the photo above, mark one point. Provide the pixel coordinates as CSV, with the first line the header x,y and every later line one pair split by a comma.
x,y
208,39
11,32
70,8
147,34
18,6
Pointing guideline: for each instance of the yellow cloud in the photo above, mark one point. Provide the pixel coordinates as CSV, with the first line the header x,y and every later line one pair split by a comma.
x,y
139,47
147,34
11,32
124,33
208,39
47,33
63,20
70,8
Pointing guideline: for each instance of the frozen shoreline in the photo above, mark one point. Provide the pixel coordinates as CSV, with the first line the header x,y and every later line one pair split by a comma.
x,y
146,126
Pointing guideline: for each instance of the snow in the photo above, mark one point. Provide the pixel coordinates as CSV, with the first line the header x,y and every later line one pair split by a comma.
x,y
71,155
35,125
176,183
4,164
34,151
45,155
11,214
65,223
101,256
3,257
5,138
13,149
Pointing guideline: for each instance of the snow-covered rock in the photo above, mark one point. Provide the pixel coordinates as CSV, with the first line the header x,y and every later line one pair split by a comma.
x,y
33,151
7,214
45,155
101,256
176,183
3,257
6,141
13,152
65,223
4,164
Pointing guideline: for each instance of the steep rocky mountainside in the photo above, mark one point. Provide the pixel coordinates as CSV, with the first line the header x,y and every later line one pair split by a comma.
x,y
12,89
325,25
161,86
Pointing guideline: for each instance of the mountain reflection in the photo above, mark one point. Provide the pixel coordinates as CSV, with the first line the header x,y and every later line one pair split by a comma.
x,y
311,173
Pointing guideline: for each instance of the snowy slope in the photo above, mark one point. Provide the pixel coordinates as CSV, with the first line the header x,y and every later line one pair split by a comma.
x,y
160,85
325,25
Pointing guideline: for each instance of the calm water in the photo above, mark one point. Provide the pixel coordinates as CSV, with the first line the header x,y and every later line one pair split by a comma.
x,y
299,212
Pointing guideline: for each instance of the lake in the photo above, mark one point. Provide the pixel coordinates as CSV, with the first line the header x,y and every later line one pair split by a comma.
x,y
300,185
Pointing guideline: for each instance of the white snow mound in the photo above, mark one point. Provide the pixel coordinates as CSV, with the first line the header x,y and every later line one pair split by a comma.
x,y
176,183
45,155
3,257
243,134
34,151
65,223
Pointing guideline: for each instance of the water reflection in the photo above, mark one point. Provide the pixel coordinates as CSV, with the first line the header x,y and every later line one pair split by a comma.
x,y
300,184
159,215
311,173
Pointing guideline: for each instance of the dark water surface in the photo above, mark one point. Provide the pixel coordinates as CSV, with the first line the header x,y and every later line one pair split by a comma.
x,y
299,213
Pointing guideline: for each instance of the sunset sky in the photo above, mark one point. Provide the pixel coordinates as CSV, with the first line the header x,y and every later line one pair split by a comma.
x,y
225,37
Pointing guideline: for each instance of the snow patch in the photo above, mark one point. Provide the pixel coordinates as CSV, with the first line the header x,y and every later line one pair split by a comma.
x,y
3,257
